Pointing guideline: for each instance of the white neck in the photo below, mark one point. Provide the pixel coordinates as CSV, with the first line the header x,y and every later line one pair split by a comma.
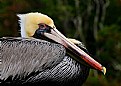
x,y
22,24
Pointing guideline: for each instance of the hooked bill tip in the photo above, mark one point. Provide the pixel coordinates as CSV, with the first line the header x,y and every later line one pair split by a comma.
x,y
104,70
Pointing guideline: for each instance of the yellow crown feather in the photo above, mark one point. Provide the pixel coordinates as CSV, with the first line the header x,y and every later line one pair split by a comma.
x,y
29,23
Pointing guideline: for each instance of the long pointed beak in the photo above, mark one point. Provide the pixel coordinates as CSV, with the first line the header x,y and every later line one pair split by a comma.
x,y
55,35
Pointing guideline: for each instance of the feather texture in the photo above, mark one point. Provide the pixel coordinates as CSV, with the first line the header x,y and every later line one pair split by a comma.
x,y
32,61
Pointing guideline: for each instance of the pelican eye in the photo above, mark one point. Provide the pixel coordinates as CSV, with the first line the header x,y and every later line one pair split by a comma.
x,y
42,26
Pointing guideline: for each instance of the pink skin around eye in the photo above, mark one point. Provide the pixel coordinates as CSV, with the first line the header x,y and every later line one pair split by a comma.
x,y
42,25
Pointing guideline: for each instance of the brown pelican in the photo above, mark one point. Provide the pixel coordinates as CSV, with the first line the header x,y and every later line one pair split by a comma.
x,y
43,56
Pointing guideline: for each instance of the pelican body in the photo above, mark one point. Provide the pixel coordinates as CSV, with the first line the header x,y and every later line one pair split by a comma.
x,y
31,61
43,56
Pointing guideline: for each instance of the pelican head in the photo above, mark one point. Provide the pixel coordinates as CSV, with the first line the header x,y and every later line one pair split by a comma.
x,y
42,26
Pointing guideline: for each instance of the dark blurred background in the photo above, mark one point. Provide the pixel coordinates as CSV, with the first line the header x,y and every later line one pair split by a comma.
x,y
97,23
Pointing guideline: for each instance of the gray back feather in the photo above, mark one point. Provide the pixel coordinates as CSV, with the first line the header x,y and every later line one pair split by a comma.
x,y
20,56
